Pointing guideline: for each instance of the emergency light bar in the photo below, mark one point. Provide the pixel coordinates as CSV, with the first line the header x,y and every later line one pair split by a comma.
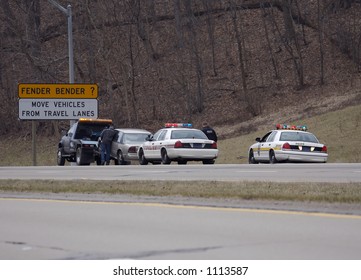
x,y
291,127
185,125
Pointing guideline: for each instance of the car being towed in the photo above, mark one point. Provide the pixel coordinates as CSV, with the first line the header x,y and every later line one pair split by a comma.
x,y
287,144
126,143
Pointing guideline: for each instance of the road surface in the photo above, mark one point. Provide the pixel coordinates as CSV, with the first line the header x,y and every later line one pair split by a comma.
x,y
33,228
219,172
51,229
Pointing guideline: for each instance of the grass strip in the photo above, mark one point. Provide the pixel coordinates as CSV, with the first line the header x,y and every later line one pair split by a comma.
x,y
316,192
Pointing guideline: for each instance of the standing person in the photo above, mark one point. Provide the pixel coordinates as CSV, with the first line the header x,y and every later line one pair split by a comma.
x,y
106,138
209,132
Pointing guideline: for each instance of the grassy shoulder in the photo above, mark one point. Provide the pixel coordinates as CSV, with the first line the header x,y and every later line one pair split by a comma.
x,y
304,192
339,130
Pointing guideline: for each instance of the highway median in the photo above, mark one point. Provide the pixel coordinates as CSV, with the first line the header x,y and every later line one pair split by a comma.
x,y
273,191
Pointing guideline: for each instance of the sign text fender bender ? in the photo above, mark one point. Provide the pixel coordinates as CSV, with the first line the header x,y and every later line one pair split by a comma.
x,y
76,91
57,109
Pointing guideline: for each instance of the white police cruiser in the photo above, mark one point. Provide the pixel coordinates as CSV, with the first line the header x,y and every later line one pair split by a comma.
x,y
178,142
287,143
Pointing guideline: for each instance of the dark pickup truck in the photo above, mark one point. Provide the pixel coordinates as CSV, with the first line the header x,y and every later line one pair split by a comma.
x,y
80,143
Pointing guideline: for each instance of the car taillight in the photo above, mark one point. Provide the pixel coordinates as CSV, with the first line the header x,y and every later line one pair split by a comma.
x,y
88,146
178,144
132,149
324,149
286,146
214,145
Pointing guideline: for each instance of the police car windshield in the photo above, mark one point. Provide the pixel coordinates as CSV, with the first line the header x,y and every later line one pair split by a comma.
x,y
298,136
188,134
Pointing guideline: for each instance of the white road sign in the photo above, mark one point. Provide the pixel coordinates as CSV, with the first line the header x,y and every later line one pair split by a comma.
x,y
57,109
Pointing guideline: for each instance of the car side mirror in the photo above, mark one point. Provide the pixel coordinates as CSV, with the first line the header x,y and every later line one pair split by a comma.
x,y
149,138
258,139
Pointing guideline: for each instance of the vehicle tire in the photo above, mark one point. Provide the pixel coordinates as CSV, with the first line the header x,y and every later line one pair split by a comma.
x,y
120,159
208,161
98,160
78,157
142,159
272,157
165,158
251,159
182,162
60,158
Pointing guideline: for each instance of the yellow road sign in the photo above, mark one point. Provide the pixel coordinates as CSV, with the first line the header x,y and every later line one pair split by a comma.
x,y
75,91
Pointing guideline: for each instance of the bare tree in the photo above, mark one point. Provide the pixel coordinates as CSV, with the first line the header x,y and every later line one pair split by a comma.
x,y
290,39
178,22
320,18
157,59
236,25
135,8
269,45
195,54
132,75
207,4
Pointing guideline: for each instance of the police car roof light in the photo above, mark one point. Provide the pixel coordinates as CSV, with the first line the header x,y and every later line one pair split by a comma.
x,y
291,127
171,125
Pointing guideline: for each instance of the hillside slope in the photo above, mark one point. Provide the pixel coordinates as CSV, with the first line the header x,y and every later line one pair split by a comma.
x,y
340,130
237,64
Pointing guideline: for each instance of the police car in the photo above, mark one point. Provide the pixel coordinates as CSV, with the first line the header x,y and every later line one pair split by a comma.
x,y
177,142
287,143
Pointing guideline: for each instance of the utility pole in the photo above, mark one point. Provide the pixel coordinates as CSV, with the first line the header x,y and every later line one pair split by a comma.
x,y
68,13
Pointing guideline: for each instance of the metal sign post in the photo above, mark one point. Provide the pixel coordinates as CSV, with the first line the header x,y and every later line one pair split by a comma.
x,y
68,13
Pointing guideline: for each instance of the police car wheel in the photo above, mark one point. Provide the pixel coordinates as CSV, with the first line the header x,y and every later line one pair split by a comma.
x,y
165,158
142,159
251,159
272,157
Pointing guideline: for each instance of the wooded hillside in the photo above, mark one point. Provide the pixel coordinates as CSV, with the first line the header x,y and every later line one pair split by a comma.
x,y
155,61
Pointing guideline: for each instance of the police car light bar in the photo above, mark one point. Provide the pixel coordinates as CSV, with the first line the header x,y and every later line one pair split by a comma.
x,y
291,127
186,125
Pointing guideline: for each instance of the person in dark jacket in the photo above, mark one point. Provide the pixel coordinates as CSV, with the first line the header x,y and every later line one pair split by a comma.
x,y
209,132
106,138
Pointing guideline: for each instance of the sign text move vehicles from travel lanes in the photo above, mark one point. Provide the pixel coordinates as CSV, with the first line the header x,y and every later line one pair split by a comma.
x,y
57,109
75,91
